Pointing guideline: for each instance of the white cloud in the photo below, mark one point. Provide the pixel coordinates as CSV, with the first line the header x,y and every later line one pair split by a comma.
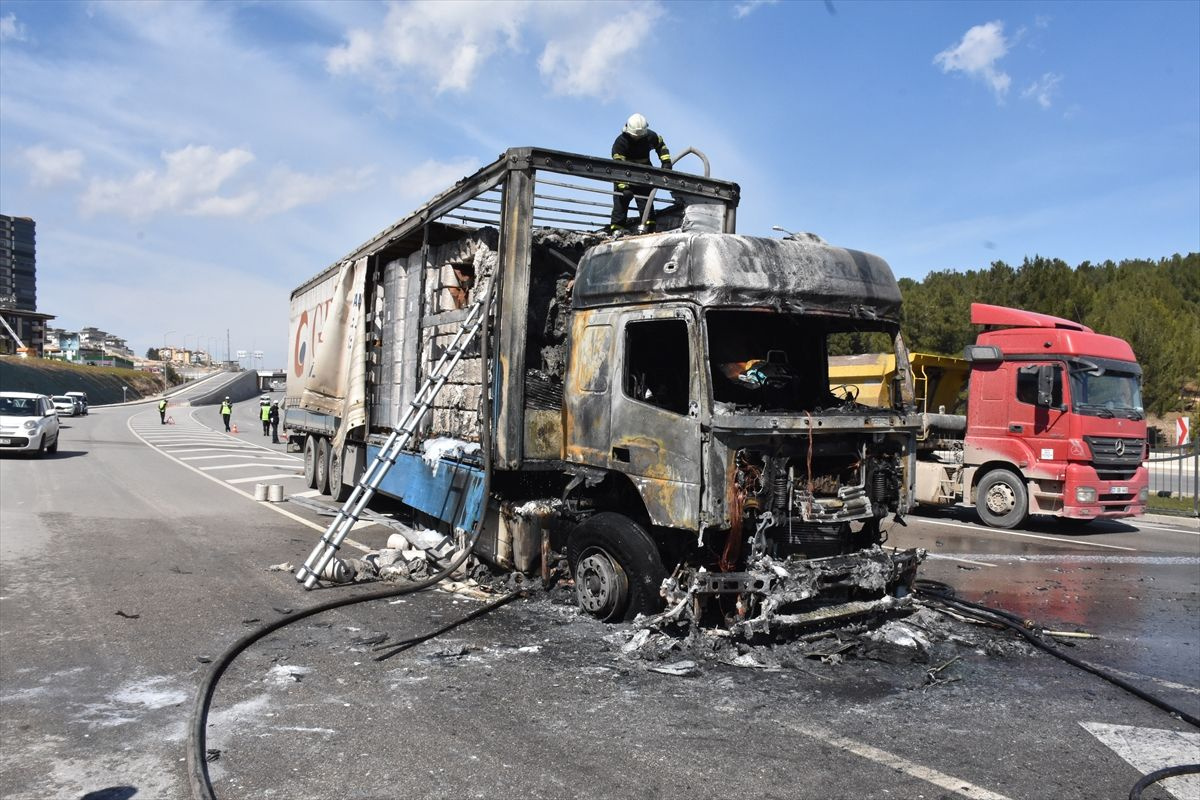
x,y
10,29
192,181
747,7
1043,89
192,177
976,55
284,189
430,176
49,167
587,61
449,45
446,43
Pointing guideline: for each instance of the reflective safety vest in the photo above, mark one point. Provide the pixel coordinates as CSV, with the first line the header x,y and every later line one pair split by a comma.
x,y
265,413
226,408
162,405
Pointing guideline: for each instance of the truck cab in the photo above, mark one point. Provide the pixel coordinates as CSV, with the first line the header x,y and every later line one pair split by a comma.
x,y
1055,423
697,391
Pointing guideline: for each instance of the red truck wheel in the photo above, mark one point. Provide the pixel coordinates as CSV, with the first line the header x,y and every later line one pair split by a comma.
x,y
1001,499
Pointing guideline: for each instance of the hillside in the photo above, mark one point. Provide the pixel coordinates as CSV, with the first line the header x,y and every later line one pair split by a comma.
x,y
102,384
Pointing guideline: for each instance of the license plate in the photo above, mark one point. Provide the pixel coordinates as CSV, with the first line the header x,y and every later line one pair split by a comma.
x,y
1119,490
5,441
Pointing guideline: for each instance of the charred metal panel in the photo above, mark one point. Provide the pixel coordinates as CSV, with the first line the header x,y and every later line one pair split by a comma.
x,y
543,433
451,492
515,243
659,448
727,270
586,406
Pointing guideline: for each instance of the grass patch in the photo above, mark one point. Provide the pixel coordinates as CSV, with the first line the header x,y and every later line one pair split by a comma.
x,y
1174,505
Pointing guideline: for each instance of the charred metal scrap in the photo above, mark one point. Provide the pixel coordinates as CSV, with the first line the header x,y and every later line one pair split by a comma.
x,y
777,595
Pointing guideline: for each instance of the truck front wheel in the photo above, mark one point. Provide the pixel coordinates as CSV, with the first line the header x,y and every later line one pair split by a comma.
x,y
1001,499
617,567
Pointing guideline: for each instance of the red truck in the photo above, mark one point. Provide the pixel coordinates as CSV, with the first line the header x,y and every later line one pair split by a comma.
x,y
1053,422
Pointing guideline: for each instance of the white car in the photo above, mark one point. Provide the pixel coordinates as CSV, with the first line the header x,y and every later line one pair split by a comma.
x,y
81,401
65,406
28,423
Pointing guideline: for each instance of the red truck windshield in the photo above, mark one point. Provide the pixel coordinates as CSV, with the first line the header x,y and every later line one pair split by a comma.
x,y
1106,389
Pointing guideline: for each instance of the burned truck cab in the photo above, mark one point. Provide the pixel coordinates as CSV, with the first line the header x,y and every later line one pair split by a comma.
x,y
697,392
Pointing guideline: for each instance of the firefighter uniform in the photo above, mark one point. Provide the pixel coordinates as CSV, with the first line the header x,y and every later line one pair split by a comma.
x,y
636,149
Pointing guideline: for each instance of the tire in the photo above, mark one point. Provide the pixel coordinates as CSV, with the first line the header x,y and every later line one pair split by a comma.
x,y
617,568
1001,499
339,487
310,461
41,450
322,466
53,448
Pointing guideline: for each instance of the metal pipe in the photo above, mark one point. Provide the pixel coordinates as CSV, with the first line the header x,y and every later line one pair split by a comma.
x,y
592,214
569,200
650,202
577,186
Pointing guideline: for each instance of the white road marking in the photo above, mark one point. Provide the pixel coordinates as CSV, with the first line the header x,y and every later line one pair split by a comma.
x,y
1179,687
247,495
893,761
979,529
1151,561
963,560
240,455
1169,528
1150,749
309,493
202,449
273,477
250,464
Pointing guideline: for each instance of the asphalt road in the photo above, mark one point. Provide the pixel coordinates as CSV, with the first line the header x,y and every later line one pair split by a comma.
x,y
138,552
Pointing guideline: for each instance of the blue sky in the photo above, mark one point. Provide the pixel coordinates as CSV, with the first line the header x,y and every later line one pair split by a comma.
x,y
189,164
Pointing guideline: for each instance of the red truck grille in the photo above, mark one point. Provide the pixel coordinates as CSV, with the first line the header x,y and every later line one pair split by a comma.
x,y
1113,451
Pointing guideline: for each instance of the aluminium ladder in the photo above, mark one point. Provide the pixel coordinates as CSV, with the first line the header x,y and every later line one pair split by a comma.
x,y
368,484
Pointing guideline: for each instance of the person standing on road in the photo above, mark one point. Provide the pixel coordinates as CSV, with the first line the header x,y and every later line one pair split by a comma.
x,y
634,145
226,412
273,418
162,411
264,413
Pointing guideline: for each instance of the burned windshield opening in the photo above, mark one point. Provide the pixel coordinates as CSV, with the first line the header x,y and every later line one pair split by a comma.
x,y
766,361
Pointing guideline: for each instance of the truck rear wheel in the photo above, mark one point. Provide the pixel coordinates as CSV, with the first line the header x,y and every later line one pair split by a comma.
x,y
341,484
617,567
322,466
310,461
1001,499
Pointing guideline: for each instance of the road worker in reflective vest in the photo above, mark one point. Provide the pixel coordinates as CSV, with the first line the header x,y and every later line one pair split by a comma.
x,y
226,411
264,413
634,145
162,411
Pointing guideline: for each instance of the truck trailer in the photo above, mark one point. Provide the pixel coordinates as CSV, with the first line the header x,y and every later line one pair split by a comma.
x,y
1053,422
656,406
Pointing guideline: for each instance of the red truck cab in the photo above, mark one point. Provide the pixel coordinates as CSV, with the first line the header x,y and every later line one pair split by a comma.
x,y
1055,423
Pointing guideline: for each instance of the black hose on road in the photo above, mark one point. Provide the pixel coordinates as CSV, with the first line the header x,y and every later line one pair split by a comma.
x,y
999,616
1161,774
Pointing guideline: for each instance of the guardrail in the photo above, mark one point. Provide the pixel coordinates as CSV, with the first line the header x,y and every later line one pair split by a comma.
x,y
1175,472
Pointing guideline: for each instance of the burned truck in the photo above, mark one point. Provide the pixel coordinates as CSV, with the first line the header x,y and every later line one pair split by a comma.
x,y
657,406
